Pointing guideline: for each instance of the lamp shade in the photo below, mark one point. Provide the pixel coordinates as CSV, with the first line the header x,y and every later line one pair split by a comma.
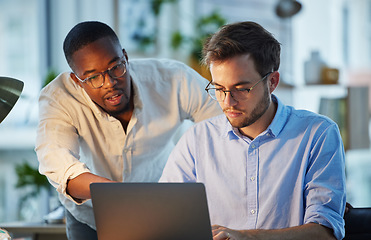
x,y
287,8
10,90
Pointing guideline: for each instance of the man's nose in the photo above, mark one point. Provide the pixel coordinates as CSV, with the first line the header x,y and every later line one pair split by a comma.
x,y
229,100
108,80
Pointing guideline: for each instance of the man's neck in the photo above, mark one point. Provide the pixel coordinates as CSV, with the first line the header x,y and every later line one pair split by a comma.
x,y
262,124
125,116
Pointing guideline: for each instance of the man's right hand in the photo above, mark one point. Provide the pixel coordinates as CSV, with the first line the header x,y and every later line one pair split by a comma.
x,y
79,187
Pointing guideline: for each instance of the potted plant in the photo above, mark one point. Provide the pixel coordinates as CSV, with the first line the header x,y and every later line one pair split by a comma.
x,y
205,26
32,183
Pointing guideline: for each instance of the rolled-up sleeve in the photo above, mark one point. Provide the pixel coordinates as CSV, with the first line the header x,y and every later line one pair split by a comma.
x,y
57,145
325,182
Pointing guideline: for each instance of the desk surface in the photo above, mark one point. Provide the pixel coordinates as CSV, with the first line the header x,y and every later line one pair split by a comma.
x,y
33,227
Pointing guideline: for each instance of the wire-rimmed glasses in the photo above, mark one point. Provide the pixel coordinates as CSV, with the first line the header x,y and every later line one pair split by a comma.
x,y
238,94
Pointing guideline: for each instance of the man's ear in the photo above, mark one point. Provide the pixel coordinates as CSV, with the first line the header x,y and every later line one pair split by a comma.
x,y
74,78
126,55
274,79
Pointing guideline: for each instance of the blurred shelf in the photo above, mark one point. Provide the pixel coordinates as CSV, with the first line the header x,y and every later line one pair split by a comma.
x,y
308,96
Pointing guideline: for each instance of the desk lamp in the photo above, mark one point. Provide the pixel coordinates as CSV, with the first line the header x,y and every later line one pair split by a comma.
x,y
10,90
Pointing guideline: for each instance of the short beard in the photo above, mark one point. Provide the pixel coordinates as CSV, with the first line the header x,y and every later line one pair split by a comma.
x,y
126,108
257,113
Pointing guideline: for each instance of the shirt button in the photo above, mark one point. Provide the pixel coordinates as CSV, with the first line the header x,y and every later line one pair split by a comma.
x,y
252,146
252,178
252,211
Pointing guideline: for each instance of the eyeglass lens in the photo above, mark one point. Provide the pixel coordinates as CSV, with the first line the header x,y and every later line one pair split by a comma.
x,y
97,80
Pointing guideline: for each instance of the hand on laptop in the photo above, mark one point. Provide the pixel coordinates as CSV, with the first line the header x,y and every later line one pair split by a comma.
x,y
222,233
306,231
79,187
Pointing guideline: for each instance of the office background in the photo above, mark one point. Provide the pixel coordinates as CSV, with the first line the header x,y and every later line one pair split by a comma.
x,y
338,31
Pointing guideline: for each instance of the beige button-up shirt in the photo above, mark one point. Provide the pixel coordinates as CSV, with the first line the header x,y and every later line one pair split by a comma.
x,y
76,136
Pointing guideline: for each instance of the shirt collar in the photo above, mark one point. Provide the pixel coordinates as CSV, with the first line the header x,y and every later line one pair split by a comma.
x,y
138,94
81,95
228,130
280,117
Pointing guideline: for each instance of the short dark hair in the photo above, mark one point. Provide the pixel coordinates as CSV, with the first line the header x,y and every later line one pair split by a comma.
x,y
244,38
83,34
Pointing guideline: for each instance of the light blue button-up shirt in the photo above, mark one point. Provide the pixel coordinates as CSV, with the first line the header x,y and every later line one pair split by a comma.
x,y
291,174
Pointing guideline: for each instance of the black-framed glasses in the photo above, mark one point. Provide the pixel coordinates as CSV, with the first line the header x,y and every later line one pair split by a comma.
x,y
97,79
238,94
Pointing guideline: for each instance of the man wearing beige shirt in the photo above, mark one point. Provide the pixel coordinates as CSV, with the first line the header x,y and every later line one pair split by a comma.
x,y
111,119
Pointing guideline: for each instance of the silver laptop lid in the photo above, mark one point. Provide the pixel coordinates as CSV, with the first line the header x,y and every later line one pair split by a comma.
x,y
151,211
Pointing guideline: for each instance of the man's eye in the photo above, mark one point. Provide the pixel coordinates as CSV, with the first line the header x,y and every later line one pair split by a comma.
x,y
94,77
114,68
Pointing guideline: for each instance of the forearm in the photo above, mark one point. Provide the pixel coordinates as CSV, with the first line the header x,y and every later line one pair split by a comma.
x,y
308,231
79,187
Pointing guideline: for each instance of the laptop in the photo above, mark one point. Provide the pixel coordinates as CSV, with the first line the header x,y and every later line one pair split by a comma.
x,y
151,211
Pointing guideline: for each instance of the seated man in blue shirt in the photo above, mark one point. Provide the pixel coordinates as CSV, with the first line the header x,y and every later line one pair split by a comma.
x,y
270,171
